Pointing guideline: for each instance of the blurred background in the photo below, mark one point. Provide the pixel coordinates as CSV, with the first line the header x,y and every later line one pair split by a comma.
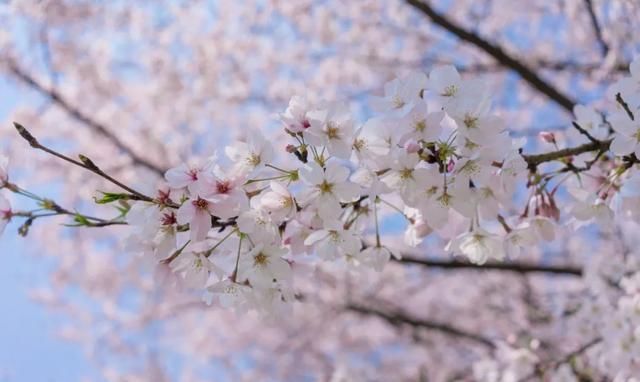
x,y
140,86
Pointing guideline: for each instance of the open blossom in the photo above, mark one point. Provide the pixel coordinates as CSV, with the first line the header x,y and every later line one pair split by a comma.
x,y
264,266
420,125
194,265
373,141
478,246
155,225
197,213
278,202
5,213
295,118
225,192
258,224
588,206
404,175
627,138
401,95
251,154
333,128
519,238
326,188
334,241
190,175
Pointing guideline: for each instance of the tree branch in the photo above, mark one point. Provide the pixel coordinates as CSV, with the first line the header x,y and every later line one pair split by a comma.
x,y
78,115
534,160
398,319
497,52
596,27
521,268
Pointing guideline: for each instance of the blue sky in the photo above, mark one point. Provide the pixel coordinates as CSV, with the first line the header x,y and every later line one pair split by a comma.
x,y
29,348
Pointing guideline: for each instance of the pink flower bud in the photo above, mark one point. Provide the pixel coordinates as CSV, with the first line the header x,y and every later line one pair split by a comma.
x,y
290,149
451,165
547,136
412,147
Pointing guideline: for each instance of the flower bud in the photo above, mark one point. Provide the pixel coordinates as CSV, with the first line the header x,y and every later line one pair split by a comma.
x,y
290,149
547,136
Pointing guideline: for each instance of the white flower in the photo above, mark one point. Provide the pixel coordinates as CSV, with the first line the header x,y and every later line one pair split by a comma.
x,y
197,213
520,237
445,81
327,188
400,95
5,213
252,154
474,121
544,227
374,141
588,206
264,266
436,195
194,266
333,128
278,202
190,175
478,246
404,175
420,125
417,230
370,182
627,137
295,117
375,257
258,225
334,241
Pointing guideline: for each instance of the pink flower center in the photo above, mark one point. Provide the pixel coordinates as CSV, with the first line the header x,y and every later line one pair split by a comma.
x,y
223,187
306,124
6,215
193,173
200,203
168,219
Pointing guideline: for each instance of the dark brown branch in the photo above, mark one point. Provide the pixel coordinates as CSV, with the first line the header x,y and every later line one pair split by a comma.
x,y
84,162
596,27
397,318
521,268
78,115
497,52
534,160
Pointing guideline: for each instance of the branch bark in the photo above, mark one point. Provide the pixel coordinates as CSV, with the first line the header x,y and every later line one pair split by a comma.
x,y
521,268
398,319
497,52
79,116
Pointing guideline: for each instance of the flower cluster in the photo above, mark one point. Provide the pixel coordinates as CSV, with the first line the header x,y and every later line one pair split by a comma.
x,y
434,152
240,226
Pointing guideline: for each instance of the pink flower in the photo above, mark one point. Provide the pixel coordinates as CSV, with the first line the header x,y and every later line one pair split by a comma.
x,y
547,136
226,192
188,175
197,213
